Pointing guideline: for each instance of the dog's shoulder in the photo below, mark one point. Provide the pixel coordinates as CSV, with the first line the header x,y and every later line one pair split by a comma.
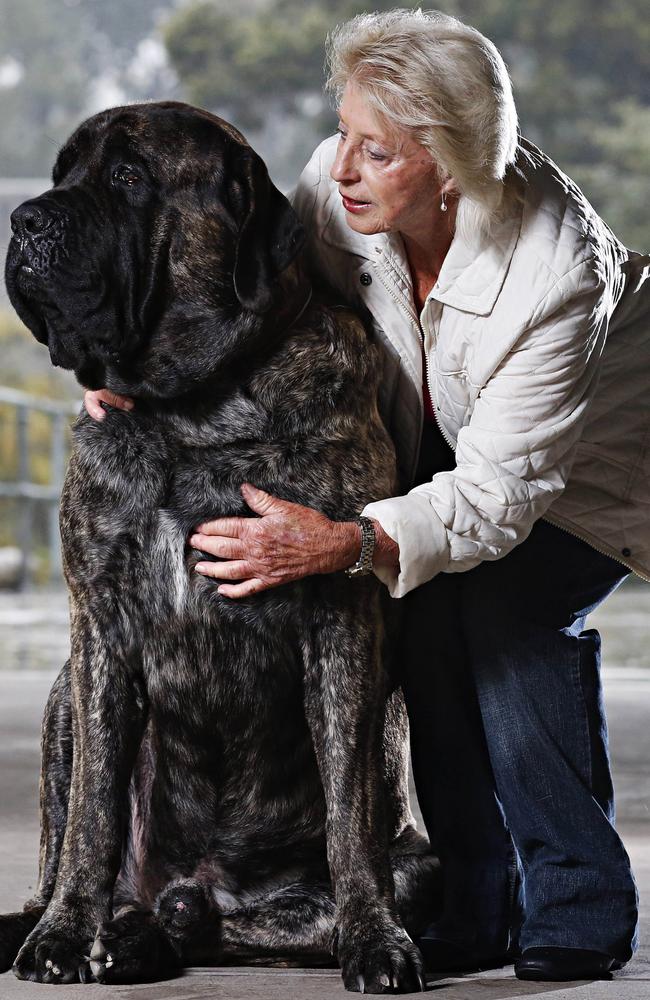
x,y
121,460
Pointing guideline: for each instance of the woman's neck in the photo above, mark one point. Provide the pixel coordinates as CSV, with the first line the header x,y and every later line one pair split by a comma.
x,y
426,251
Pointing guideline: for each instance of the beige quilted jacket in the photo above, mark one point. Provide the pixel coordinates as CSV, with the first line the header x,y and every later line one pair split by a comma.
x,y
537,345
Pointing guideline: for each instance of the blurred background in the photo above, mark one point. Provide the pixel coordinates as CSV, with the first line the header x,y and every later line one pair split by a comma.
x,y
581,75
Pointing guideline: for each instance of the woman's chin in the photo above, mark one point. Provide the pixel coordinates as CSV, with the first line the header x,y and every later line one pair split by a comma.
x,y
364,224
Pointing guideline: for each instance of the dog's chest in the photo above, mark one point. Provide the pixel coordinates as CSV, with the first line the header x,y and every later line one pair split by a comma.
x,y
134,497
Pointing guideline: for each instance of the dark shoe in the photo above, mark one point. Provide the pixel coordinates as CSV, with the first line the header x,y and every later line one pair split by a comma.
x,y
446,956
559,965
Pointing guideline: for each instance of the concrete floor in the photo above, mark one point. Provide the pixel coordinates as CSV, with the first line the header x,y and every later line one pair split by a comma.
x,y
22,696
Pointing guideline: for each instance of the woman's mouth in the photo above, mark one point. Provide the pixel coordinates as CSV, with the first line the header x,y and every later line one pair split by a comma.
x,y
352,205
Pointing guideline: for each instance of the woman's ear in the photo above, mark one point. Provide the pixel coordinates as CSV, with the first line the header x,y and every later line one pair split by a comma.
x,y
270,235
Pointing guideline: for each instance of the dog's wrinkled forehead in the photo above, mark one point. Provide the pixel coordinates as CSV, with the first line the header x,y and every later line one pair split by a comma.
x,y
172,140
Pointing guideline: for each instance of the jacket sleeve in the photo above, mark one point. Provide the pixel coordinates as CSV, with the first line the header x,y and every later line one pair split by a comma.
x,y
515,454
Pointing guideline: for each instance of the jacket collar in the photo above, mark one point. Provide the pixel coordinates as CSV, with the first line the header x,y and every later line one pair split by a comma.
x,y
472,273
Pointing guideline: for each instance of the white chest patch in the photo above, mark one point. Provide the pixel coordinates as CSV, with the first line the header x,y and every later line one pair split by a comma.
x,y
169,560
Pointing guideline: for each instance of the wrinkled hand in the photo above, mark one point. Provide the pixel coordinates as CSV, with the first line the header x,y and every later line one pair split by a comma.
x,y
286,542
94,398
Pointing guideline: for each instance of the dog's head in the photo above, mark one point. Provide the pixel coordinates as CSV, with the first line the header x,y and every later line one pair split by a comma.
x,y
158,252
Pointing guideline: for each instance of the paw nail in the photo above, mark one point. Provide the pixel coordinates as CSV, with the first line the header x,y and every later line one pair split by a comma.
x,y
56,970
361,984
384,980
109,961
48,964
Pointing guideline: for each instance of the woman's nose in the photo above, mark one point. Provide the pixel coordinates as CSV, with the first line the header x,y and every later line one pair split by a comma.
x,y
344,168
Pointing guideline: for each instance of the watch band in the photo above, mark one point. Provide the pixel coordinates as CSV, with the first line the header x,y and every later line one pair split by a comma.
x,y
363,565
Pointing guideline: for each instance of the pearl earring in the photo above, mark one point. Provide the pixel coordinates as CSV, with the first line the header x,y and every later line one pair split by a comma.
x,y
443,203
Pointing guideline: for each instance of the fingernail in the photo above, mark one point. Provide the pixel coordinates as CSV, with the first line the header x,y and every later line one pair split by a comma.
x,y
200,568
129,405
194,540
220,590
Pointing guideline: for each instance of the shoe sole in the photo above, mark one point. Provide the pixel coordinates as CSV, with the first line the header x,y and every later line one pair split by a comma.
x,y
537,976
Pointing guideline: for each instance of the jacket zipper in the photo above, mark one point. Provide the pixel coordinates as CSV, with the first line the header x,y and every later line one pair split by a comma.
x,y
436,409
400,301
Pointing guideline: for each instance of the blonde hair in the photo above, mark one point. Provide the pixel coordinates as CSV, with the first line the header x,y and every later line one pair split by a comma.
x,y
444,82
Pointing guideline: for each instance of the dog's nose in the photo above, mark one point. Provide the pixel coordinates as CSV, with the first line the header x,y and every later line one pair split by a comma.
x,y
30,219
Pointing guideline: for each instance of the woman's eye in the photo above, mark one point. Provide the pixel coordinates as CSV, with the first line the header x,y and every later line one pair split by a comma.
x,y
377,156
126,175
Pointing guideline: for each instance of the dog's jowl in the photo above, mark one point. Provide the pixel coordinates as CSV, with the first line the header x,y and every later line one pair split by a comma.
x,y
222,781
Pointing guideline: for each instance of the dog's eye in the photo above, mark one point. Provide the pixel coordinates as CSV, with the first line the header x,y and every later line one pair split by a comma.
x,y
126,175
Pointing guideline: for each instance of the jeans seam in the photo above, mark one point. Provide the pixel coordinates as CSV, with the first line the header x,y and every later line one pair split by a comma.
x,y
586,733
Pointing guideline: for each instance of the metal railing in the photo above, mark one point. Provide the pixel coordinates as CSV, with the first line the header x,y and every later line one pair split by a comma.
x,y
24,489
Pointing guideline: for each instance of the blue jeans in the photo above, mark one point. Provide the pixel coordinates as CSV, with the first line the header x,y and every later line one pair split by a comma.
x,y
509,746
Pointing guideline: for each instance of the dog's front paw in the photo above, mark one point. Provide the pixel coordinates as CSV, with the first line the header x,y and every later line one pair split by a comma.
x,y
379,959
133,948
52,955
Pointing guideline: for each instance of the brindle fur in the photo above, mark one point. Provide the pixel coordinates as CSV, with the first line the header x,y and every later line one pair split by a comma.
x,y
223,780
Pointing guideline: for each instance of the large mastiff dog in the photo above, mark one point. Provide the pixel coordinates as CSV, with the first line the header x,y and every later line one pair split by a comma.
x,y
222,781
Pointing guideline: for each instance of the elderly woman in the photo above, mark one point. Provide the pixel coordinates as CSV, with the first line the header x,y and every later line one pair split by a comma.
x,y
515,334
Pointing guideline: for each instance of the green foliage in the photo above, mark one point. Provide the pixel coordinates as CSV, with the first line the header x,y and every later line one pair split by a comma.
x,y
228,60
618,177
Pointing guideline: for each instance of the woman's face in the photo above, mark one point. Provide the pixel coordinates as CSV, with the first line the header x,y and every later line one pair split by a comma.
x,y
387,181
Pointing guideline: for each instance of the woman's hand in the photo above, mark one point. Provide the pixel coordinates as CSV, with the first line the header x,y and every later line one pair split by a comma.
x,y
94,398
287,542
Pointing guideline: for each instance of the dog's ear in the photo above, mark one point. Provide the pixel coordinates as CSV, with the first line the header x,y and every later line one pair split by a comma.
x,y
270,235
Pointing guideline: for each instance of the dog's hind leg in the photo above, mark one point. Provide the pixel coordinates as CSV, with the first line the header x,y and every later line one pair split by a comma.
x,y
418,882
56,765
293,924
